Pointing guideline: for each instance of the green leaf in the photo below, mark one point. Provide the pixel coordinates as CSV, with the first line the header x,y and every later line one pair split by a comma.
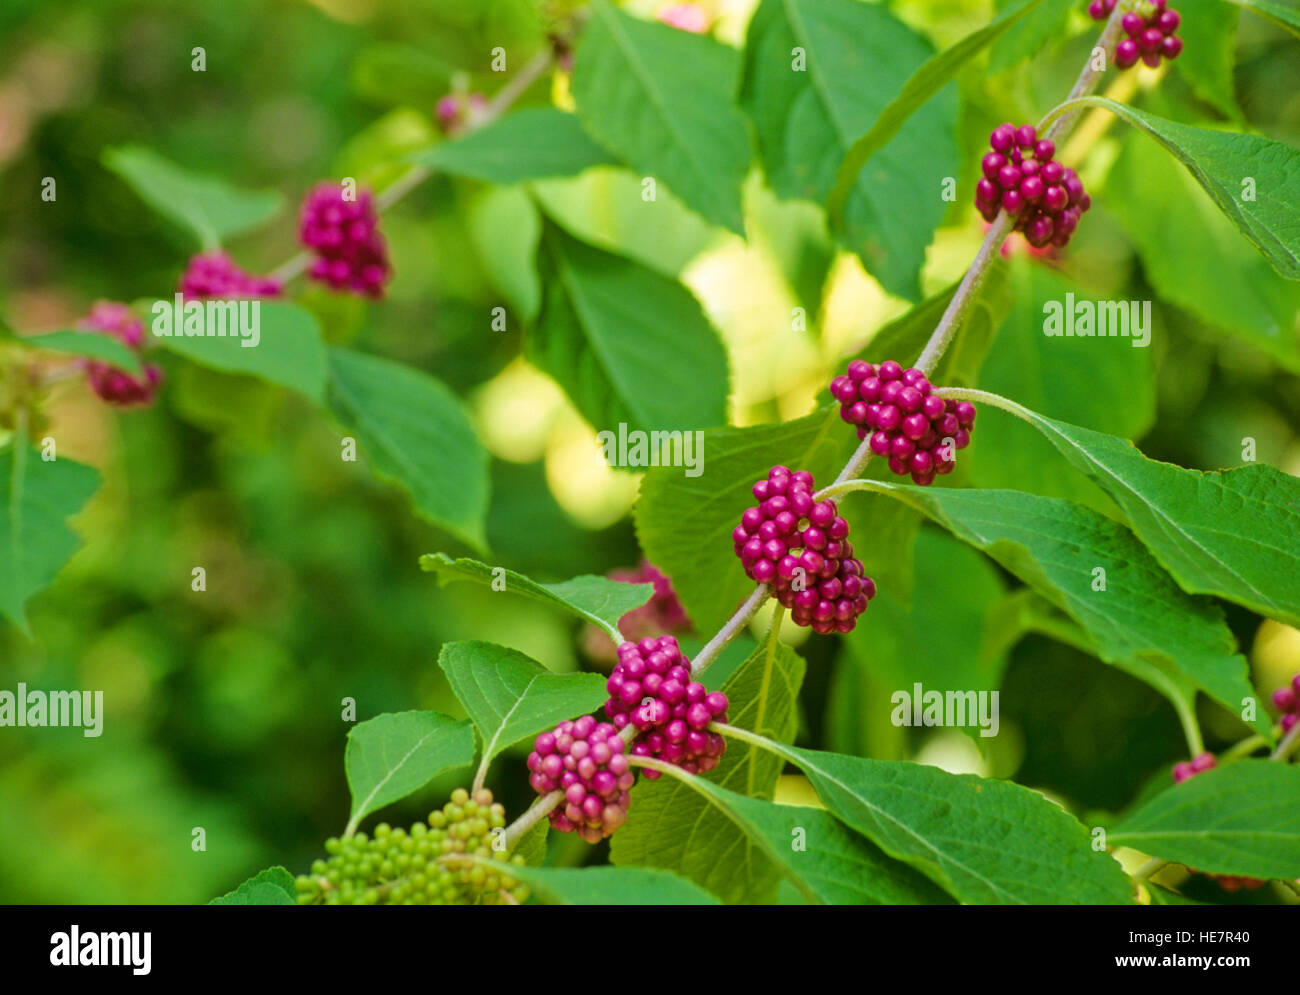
x,y
1231,533
609,332
1209,33
598,600
1101,381
1286,18
1031,35
985,841
1222,162
949,619
286,348
661,99
1241,818
208,207
510,697
937,72
610,886
1142,622
35,540
858,56
532,845
414,432
404,75
506,229
603,207
398,753
92,345
528,144
685,523
673,827
1170,221
826,861
273,886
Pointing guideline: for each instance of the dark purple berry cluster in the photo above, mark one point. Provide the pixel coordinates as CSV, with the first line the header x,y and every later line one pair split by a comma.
x,y
801,547
586,760
114,385
918,432
1287,700
214,274
1151,35
1022,178
344,234
651,689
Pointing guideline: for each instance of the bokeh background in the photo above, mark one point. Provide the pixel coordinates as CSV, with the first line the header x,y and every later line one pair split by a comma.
x,y
224,707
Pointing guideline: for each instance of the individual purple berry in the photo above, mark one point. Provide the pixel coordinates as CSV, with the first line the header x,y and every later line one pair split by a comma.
x,y
343,232
1099,10
587,760
114,385
214,274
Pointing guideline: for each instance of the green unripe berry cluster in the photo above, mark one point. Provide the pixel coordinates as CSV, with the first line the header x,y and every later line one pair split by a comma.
x,y
431,864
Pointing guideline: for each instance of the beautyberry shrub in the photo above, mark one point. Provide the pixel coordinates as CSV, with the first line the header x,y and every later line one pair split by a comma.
x,y
1022,177
917,432
420,867
344,233
587,760
117,386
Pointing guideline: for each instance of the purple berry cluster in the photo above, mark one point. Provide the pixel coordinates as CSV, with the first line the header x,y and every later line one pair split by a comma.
x,y
586,760
651,689
801,547
1190,768
918,432
1287,700
1022,178
344,234
214,274
114,385
1150,37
